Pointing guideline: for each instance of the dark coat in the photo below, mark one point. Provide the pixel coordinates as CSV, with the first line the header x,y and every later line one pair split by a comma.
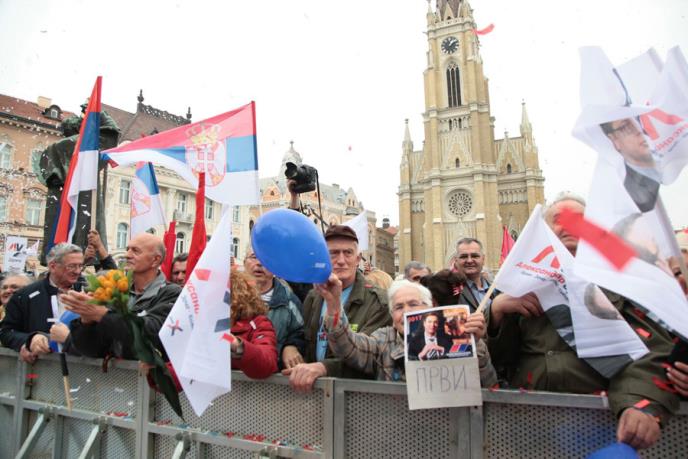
x,y
285,315
111,336
538,358
27,313
417,343
642,189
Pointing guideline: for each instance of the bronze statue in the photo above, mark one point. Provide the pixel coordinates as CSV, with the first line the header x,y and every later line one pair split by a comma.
x,y
54,166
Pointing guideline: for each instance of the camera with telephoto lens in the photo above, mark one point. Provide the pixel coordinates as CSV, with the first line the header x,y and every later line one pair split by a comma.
x,y
304,175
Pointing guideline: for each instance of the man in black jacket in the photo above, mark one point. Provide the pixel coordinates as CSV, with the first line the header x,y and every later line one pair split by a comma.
x,y
26,327
101,331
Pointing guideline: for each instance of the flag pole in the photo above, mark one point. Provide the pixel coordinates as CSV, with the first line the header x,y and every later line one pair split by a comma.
x,y
65,380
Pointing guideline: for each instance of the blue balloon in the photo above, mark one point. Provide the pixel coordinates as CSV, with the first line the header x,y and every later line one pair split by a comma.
x,y
291,247
615,451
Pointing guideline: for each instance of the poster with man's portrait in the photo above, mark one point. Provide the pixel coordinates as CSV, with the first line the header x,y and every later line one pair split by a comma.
x,y
438,333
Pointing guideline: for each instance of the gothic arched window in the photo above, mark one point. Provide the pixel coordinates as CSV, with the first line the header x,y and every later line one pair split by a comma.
x,y
508,168
457,163
453,86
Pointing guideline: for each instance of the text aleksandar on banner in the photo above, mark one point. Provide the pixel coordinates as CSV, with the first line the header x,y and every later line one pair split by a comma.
x,y
581,313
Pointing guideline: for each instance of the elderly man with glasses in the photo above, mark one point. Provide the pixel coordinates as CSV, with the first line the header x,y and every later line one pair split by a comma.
x,y
29,322
364,305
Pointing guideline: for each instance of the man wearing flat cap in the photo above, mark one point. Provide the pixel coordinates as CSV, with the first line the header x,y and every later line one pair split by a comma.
x,y
365,307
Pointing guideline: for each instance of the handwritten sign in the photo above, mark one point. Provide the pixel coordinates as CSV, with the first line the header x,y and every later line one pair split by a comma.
x,y
443,383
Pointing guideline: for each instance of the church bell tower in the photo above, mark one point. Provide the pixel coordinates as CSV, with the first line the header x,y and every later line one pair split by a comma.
x,y
450,188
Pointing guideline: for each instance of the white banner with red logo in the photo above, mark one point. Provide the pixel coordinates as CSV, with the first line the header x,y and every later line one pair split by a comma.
x,y
636,116
540,263
15,254
195,332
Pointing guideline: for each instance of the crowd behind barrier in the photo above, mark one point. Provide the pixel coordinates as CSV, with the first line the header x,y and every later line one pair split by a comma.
x,y
115,414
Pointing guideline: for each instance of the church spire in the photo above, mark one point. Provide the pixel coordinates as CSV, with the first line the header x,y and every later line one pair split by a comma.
x,y
407,144
448,9
526,128
430,15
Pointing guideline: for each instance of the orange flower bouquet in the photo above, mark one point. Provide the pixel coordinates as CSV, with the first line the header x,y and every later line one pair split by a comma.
x,y
112,290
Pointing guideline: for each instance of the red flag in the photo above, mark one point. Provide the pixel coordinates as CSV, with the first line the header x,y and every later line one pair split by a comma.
x,y
198,239
608,244
507,244
169,239
484,31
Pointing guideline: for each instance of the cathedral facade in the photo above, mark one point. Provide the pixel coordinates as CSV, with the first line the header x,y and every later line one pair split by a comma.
x,y
462,182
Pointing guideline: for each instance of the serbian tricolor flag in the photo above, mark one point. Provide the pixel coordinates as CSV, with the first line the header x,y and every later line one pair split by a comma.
x,y
146,205
224,147
83,168
507,244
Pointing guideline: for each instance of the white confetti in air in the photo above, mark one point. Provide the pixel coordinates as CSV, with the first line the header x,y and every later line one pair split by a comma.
x,y
130,403
119,390
76,389
88,380
87,213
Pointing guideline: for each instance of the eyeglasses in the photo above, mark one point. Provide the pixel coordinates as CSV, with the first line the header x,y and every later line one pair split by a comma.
x,y
626,128
465,256
74,267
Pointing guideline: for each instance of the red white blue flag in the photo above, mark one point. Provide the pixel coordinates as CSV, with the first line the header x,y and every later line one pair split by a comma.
x,y
146,205
83,168
224,147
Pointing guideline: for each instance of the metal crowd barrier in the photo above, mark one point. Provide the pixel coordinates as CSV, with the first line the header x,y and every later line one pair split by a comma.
x,y
116,415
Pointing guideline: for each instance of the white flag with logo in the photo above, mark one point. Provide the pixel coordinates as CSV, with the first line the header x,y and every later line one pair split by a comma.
x,y
636,116
579,310
195,332
15,254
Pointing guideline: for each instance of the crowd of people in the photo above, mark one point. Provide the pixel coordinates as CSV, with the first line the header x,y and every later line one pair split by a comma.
x,y
351,326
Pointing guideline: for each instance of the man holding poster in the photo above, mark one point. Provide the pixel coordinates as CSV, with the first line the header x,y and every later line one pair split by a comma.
x,y
538,356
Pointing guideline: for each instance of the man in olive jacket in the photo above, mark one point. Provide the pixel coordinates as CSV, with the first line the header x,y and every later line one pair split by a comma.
x,y
101,331
522,337
365,307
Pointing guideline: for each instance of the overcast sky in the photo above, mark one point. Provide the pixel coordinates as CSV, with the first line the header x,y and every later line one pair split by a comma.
x,y
331,75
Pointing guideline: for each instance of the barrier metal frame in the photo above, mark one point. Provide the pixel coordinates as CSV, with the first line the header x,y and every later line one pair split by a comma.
x,y
465,426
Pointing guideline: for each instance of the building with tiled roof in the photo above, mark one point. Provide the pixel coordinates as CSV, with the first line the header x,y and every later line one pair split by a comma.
x,y
26,129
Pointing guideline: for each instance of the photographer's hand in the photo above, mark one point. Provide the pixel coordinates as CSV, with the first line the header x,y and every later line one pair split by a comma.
x,y
294,197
